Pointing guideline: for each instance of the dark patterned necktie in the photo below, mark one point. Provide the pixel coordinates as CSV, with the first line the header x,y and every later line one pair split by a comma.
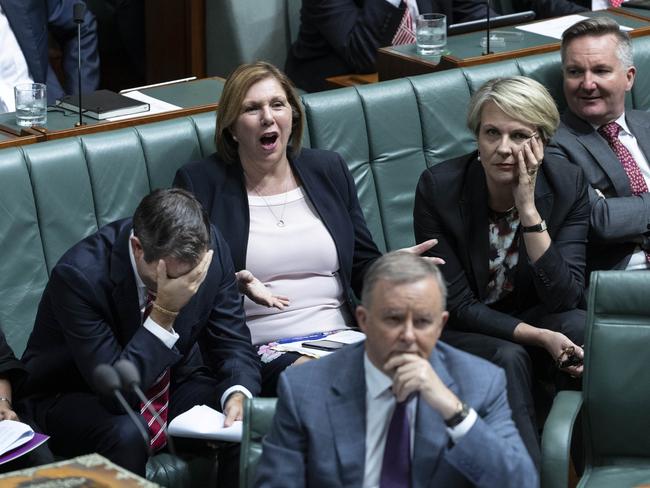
x,y
637,182
157,397
396,465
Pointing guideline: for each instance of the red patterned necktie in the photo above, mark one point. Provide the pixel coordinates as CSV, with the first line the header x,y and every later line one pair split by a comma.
x,y
637,182
157,397
615,3
405,32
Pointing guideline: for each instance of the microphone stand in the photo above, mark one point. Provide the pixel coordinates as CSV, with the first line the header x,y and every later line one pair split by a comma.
x,y
130,377
78,12
487,39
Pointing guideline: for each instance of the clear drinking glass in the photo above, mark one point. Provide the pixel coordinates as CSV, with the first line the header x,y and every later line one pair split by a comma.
x,y
431,33
31,104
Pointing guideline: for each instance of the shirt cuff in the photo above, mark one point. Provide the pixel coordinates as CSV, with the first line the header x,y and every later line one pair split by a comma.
x,y
395,3
463,428
234,389
167,338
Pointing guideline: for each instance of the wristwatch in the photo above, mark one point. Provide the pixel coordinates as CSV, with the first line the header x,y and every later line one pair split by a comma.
x,y
459,416
541,227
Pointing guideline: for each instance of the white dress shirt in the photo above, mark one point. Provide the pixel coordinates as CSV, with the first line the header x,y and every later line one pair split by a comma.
x,y
13,66
169,338
380,404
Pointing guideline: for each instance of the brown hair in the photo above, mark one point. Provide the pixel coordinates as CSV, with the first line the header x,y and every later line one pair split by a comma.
x,y
598,27
232,97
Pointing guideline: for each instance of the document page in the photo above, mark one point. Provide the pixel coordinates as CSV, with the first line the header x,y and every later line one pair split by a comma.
x,y
555,27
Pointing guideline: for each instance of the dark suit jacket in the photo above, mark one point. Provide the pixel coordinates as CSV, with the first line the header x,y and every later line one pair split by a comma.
x,y
342,36
326,180
451,206
319,430
32,20
620,221
89,314
10,368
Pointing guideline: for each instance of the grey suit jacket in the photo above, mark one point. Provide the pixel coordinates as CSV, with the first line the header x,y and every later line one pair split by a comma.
x,y
319,430
619,221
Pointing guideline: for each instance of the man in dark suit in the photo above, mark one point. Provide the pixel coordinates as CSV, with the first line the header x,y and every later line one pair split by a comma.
x,y
160,291
31,21
598,72
348,419
342,36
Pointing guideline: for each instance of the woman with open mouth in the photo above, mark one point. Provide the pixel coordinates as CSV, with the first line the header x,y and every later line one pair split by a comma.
x,y
291,217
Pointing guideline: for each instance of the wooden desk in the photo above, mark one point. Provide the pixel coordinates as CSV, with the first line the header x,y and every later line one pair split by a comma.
x,y
192,96
465,49
352,80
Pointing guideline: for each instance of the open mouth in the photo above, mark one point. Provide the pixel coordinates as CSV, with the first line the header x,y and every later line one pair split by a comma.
x,y
268,140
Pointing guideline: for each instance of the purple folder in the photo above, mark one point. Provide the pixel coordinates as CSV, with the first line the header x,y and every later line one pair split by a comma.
x,y
30,445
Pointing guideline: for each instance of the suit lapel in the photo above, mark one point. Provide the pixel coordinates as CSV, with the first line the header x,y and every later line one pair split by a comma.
x,y
431,435
601,152
474,214
347,410
230,207
125,293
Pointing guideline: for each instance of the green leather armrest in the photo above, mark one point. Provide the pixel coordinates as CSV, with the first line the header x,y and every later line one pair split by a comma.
x,y
258,417
556,439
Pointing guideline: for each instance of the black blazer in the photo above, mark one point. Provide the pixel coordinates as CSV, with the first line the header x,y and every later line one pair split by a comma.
x,y
326,180
89,314
342,36
451,206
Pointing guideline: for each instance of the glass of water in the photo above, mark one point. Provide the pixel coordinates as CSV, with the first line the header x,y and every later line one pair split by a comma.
x,y
31,104
431,33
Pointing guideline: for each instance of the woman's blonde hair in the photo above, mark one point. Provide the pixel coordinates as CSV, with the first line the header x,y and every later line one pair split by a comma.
x,y
232,98
519,97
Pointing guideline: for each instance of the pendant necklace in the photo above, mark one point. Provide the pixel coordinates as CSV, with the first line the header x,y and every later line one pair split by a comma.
x,y
279,221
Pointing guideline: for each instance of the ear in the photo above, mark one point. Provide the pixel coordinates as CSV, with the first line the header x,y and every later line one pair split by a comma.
x,y
630,74
444,316
136,247
362,318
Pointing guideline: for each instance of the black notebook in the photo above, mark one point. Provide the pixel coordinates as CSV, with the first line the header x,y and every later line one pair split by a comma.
x,y
103,104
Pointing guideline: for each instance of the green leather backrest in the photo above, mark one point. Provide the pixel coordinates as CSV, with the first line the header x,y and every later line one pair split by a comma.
x,y
616,385
243,31
55,193
258,417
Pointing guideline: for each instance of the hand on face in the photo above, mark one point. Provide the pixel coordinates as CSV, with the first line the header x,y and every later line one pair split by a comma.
x,y
414,374
528,160
255,290
174,293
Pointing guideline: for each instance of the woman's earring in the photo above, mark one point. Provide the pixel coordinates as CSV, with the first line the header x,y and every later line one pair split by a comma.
x,y
478,156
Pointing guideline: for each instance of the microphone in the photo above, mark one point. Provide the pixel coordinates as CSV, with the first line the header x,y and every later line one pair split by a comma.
x,y
130,377
78,11
108,383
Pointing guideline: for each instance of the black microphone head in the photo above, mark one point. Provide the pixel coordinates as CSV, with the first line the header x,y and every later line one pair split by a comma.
x,y
129,374
106,379
78,11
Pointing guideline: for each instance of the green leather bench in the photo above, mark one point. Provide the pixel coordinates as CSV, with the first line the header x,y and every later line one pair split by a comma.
x,y
53,194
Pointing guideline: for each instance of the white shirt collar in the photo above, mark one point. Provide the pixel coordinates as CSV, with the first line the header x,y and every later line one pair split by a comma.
x,y
620,121
377,382
142,288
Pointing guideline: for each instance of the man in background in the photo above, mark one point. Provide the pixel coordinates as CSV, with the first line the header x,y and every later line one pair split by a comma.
x,y
24,29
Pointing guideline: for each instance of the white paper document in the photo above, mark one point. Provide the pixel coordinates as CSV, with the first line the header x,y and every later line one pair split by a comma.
x,y
555,27
345,336
156,106
14,434
203,422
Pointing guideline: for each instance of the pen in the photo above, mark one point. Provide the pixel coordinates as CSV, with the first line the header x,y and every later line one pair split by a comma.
x,y
311,337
